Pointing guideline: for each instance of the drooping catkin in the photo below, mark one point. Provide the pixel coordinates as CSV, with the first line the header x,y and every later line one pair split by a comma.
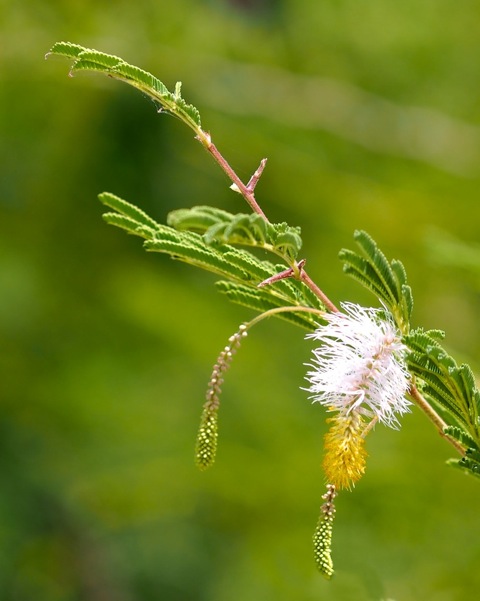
x,y
206,445
322,538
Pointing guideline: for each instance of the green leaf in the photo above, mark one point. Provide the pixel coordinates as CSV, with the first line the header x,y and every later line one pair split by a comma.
x,y
189,247
361,270
450,387
243,269
127,224
434,334
144,78
66,49
245,229
379,263
388,281
125,208
468,390
462,436
473,454
467,466
189,110
404,289
86,59
261,300
99,58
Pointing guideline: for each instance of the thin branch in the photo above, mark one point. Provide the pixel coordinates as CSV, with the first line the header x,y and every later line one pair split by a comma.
x,y
307,280
247,191
248,194
276,310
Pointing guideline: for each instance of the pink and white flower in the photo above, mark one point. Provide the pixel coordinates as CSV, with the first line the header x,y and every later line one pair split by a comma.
x,y
359,372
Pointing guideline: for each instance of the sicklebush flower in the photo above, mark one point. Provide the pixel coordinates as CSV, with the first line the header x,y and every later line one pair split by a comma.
x,y
359,372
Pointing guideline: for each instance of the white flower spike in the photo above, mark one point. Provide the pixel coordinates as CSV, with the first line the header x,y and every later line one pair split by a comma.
x,y
359,372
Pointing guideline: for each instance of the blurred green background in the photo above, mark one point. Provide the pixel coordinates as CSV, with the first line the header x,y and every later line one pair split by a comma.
x,y
369,114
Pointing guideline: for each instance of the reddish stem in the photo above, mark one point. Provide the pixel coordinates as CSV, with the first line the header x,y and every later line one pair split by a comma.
x,y
244,190
247,191
307,280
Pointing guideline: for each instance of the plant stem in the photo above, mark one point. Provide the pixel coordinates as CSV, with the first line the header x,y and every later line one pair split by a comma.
x,y
247,191
307,280
276,310
435,418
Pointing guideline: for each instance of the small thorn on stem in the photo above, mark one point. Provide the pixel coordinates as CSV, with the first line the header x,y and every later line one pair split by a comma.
x,y
288,273
300,265
256,176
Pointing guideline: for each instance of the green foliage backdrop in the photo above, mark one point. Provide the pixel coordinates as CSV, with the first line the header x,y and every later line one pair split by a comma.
x,y
369,116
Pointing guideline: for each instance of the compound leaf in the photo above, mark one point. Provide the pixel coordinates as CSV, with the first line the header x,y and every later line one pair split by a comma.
x,y
86,59
450,387
246,229
388,281
243,269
